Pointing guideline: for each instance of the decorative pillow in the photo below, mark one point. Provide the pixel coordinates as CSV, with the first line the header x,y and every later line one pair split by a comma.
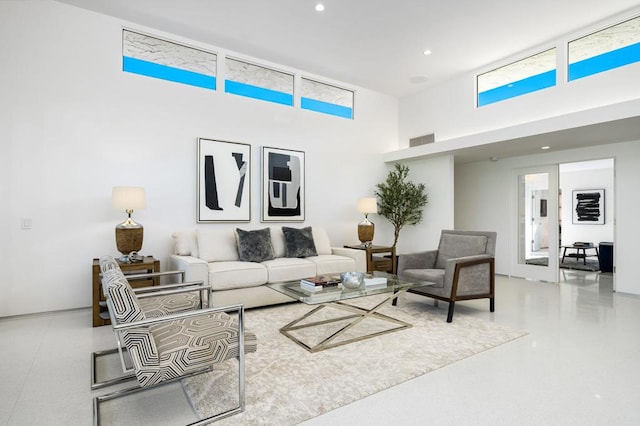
x,y
298,242
185,243
277,241
321,240
254,246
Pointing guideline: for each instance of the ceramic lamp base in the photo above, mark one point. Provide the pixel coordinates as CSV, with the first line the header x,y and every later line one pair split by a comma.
x,y
365,232
129,238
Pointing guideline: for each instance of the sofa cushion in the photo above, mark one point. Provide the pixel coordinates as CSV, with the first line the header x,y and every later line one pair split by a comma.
x,y
217,245
298,242
254,246
454,245
185,243
332,264
289,269
321,240
236,274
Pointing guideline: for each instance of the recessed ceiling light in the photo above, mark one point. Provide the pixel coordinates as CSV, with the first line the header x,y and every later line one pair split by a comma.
x,y
319,7
545,147
427,52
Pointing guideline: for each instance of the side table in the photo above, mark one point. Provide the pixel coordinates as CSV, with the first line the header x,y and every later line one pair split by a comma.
x,y
577,255
148,265
379,258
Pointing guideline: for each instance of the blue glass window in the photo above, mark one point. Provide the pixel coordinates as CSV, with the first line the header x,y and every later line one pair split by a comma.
x,y
613,47
258,82
528,75
153,57
327,99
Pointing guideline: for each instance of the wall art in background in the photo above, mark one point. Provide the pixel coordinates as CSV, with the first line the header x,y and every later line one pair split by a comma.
x,y
224,181
282,185
588,207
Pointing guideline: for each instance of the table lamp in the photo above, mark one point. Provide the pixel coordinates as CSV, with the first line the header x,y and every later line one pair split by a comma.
x,y
366,227
128,233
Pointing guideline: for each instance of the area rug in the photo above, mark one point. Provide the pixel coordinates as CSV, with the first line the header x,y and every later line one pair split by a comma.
x,y
592,264
285,384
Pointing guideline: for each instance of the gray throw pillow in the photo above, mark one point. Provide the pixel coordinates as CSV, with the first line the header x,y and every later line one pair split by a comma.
x,y
298,242
254,246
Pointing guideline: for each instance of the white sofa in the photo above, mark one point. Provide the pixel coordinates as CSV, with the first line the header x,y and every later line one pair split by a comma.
x,y
211,255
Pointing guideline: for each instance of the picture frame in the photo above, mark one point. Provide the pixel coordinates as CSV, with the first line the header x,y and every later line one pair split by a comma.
x,y
588,207
223,181
283,185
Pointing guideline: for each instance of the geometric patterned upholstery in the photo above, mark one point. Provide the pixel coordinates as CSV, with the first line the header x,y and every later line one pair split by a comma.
x,y
160,306
169,350
193,344
139,342
124,300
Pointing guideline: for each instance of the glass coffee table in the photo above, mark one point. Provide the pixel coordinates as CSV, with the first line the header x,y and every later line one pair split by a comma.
x,y
334,298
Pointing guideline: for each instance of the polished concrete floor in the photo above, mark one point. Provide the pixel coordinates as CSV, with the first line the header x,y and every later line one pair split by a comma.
x,y
579,365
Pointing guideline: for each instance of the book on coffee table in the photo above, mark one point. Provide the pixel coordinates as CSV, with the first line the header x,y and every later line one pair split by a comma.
x,y
320,282
374,282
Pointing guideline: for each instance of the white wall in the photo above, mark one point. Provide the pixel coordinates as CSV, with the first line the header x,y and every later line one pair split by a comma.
x,y
437,176
482,200
449,111
580,180
73,125
482,188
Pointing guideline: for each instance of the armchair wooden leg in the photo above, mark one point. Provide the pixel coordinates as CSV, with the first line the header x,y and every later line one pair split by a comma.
x,y
492,304
450,313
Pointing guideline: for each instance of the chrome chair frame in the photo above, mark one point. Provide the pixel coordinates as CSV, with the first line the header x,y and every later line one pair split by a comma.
x,y
147,322
142,293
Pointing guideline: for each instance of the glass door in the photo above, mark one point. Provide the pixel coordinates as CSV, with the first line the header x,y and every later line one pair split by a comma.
x,y
535,239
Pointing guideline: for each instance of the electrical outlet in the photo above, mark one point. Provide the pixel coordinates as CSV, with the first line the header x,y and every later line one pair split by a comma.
x,y
26,223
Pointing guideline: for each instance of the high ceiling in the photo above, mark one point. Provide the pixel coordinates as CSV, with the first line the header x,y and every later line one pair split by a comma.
x,y
376,44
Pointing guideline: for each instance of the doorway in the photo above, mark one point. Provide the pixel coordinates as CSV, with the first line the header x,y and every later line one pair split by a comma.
x,y
549,213
535,219
596,179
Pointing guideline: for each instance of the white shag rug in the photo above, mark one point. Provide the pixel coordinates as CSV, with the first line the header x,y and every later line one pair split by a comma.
x,y
285,384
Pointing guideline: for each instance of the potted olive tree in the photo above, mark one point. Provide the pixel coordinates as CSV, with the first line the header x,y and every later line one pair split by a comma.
x,y
400,201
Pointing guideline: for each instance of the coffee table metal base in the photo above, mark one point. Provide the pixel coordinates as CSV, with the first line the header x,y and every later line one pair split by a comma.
x,y
357,316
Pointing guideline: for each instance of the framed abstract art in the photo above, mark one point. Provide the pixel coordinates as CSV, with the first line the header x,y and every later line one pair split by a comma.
x,y
588,207
224,181
283,179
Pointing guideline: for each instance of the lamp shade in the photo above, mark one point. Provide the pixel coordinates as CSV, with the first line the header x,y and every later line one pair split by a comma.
x,y
368,205
128,198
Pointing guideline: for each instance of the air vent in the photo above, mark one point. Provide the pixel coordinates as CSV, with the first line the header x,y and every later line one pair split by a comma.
x,y
421,140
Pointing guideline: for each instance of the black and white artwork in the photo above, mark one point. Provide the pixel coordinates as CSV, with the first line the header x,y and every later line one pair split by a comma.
x,y
588,207
224,180
282,185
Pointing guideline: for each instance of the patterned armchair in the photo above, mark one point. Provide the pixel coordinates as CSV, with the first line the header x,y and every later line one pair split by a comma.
x,y
165,346
461,269
155,301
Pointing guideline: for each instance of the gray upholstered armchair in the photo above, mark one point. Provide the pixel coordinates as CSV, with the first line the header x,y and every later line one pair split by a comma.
x,y
461,269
